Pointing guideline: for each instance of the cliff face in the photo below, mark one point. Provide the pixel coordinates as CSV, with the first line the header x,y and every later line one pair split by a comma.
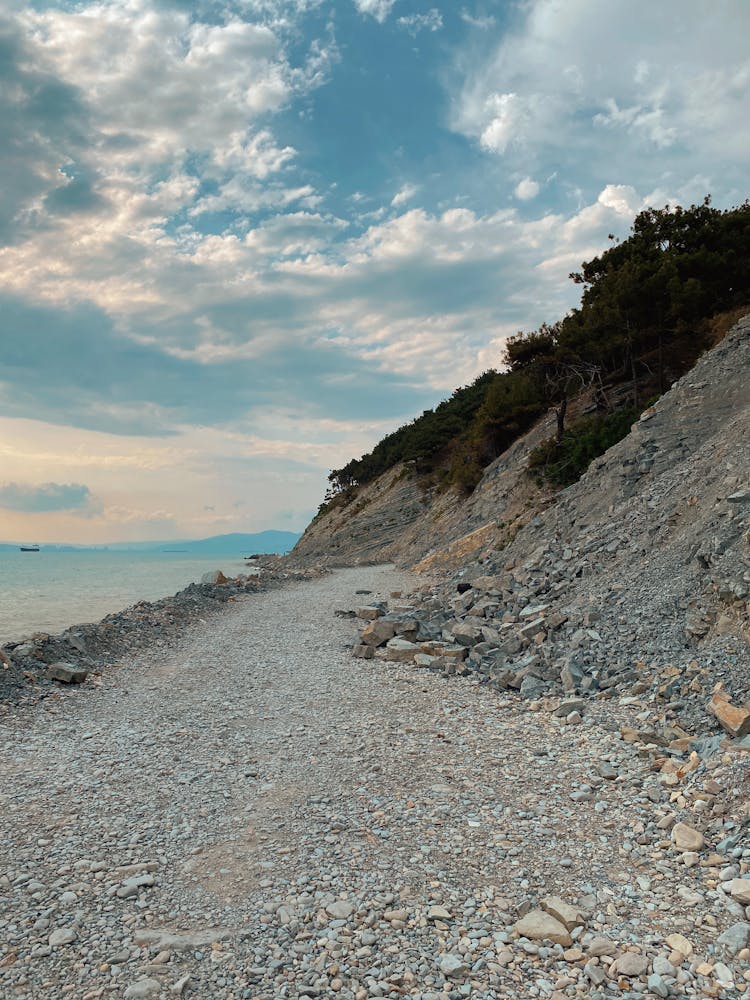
x,y
395,520
700,427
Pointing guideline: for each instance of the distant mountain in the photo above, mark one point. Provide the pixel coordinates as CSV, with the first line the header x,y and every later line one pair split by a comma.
x,y
238,543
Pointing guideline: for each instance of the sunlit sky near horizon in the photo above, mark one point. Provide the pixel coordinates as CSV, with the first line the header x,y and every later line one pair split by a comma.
x,y
241,240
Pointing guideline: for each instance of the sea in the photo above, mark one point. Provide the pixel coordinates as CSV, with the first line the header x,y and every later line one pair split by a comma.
x,y
48,591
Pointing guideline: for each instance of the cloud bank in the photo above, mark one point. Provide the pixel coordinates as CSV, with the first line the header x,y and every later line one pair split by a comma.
x,y
271,231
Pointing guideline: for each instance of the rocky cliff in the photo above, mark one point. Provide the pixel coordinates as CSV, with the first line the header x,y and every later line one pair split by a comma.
x,y
396,519
613,632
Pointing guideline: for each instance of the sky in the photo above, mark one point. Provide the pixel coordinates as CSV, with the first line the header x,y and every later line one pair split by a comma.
x,y
241,240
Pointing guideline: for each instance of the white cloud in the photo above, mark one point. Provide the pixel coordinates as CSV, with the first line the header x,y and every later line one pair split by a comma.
x,y
180,98
379,9
432,20
526,189
406,193
644,94
506,116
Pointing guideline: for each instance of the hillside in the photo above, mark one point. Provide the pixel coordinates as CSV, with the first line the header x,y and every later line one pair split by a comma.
x,y
486,460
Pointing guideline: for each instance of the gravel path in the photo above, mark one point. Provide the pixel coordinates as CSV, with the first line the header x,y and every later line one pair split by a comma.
x,y
255,814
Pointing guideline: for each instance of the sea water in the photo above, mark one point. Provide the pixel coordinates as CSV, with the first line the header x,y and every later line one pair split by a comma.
x,y
48,591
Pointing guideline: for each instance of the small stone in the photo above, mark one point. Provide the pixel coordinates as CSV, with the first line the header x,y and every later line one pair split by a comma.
x,y
66,673
368,613
143,988
657,985
679,943
723,975
63,935
594,973
568,915
685,838
438,913
453,966
341,909
631,965
735,719
363,651
663,967
377,633
601,946
564,709
401,650
739,890
178,988
735,938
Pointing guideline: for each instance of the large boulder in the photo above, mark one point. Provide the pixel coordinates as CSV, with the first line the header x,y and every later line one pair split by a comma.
x,y
378,632
401,650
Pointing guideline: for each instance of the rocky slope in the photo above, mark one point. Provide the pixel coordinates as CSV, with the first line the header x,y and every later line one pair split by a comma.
x,y
643,564
397,519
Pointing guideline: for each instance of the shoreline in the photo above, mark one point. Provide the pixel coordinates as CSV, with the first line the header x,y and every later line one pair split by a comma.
x,y
87,649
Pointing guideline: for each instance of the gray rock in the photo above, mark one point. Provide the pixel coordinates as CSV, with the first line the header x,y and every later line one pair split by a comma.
x,y
657,985
453,966
401,650
631,965
533,687
569,705
363,651
67,673
62,936
143,988
735,938
378,632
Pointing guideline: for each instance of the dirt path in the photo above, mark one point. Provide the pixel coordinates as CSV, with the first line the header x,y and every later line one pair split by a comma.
x,y
257,815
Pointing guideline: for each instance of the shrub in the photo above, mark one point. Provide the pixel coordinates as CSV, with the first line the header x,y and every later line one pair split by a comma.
x,y
562,463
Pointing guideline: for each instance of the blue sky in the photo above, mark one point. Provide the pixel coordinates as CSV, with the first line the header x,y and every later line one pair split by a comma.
x,y
240,240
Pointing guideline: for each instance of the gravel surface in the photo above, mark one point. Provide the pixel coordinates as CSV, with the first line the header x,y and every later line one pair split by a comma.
x,y
255,814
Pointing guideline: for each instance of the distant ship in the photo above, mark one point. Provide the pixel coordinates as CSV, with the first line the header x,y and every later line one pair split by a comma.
x,y
29,548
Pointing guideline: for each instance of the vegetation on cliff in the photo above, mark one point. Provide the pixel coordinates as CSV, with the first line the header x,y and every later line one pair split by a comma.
x,y
645,317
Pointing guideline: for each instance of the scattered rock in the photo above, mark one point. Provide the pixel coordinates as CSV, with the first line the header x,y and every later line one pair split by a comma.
x,y
735,719
143,988
631,965
538,925
686,838
66,673
62,936
453,966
